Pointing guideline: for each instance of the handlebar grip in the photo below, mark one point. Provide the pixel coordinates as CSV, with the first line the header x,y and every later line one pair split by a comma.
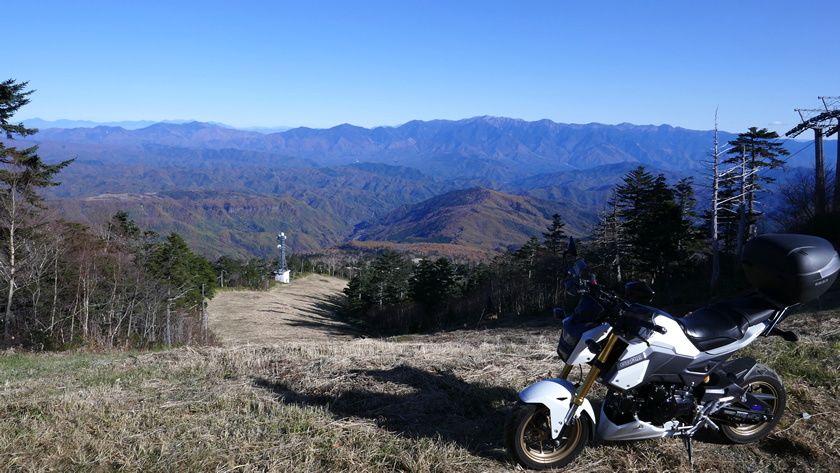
x,y
652,326
644,321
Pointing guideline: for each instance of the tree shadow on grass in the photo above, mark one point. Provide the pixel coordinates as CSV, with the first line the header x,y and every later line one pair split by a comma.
x,y
323,314
417,403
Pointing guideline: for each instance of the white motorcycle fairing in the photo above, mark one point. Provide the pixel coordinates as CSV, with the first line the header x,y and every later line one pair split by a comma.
x,y
556,395
637,430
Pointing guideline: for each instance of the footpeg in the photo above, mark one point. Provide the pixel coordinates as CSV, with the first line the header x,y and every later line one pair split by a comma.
x,y
787,335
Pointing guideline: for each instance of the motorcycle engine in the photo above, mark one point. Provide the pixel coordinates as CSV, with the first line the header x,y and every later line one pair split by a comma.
x,y
653,403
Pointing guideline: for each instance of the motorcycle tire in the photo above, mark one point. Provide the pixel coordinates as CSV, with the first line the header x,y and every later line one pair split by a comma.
x,y
765,384
528,438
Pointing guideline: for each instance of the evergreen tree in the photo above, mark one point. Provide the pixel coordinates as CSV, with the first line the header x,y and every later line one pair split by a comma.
x,y
633,201
528,255
555,238
123,227
432,285
184,271
187,277
657,221
358,291
384,282
759,150
389,280
22,175
555,242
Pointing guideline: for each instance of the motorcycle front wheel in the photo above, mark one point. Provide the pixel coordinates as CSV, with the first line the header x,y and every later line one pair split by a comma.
x,y
766,385
528,438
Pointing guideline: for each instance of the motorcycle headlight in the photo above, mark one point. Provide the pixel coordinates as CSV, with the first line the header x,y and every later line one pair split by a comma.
x,y
569,338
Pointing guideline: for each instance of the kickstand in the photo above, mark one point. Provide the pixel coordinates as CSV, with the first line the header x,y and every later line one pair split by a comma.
x,y
690,448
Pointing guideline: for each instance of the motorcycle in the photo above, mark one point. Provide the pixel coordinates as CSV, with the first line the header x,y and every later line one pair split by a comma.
x,y
668,376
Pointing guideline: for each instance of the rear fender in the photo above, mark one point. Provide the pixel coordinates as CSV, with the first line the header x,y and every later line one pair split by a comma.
x,y
556,395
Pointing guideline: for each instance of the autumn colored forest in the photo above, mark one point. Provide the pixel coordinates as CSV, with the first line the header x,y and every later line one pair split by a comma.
x,y
114,284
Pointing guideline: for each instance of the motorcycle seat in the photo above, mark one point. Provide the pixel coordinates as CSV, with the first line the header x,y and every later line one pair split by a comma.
x,y
725,322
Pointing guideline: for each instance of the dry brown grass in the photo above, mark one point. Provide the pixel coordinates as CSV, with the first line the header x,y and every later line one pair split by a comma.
x,y
302,310
433,403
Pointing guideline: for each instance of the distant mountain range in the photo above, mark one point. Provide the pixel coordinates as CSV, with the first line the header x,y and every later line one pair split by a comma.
x,y
501,149
132,124
398,184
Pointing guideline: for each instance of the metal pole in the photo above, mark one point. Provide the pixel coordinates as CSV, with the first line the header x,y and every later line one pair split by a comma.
x,y
819,192
836,207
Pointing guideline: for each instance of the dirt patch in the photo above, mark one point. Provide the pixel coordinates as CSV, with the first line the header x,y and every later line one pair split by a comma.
x,y
306,309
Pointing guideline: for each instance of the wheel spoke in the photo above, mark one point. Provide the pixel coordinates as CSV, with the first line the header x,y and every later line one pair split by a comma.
x,y
532,444
765,389
765,397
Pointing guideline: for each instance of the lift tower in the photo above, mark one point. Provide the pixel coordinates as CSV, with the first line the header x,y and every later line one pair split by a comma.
x,y
832,107
818,119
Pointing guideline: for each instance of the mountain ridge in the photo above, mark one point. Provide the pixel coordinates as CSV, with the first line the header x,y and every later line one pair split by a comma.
x,y
385,182
477,217
495,147
40,123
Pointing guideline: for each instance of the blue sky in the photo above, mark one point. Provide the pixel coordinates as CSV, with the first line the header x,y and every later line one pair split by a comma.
x,y
374,63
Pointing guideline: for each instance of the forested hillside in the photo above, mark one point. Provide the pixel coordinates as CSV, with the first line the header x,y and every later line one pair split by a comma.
x,y
477,217
340,183
475,212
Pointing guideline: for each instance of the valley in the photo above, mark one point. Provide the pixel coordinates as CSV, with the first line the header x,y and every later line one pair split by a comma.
x,y
231,191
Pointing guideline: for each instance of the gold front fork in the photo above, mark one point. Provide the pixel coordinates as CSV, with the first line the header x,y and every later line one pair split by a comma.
x,y
565,373
594,370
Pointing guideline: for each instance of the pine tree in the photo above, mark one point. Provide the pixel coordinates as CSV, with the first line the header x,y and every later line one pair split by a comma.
x,y
555,238
759,150
188,278
432,285
657,220
358,291
22,175
185,272
389,280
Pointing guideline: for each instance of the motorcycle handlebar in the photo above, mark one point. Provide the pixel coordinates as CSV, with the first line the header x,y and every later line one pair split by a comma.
x,y
620,308
642,320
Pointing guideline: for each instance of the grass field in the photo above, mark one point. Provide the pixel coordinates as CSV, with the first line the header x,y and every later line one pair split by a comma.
x,y
431,403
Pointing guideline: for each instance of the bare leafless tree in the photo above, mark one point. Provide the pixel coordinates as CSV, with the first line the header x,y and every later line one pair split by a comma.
x,y
798,197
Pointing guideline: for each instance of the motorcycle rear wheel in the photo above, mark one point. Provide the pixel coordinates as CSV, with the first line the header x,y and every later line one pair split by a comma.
x,y
528,438
765,384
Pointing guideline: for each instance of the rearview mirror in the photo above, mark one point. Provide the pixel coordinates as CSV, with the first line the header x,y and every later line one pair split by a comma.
x,y
572,248
578,267
638,291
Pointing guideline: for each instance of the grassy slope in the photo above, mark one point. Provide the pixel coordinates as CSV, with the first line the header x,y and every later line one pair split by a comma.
x,y
418,403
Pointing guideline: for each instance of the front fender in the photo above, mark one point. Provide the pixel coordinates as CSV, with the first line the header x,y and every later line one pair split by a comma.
x,y
556,395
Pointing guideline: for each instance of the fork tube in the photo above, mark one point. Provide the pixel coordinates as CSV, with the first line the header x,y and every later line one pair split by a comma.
x,y
594,370
565,373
